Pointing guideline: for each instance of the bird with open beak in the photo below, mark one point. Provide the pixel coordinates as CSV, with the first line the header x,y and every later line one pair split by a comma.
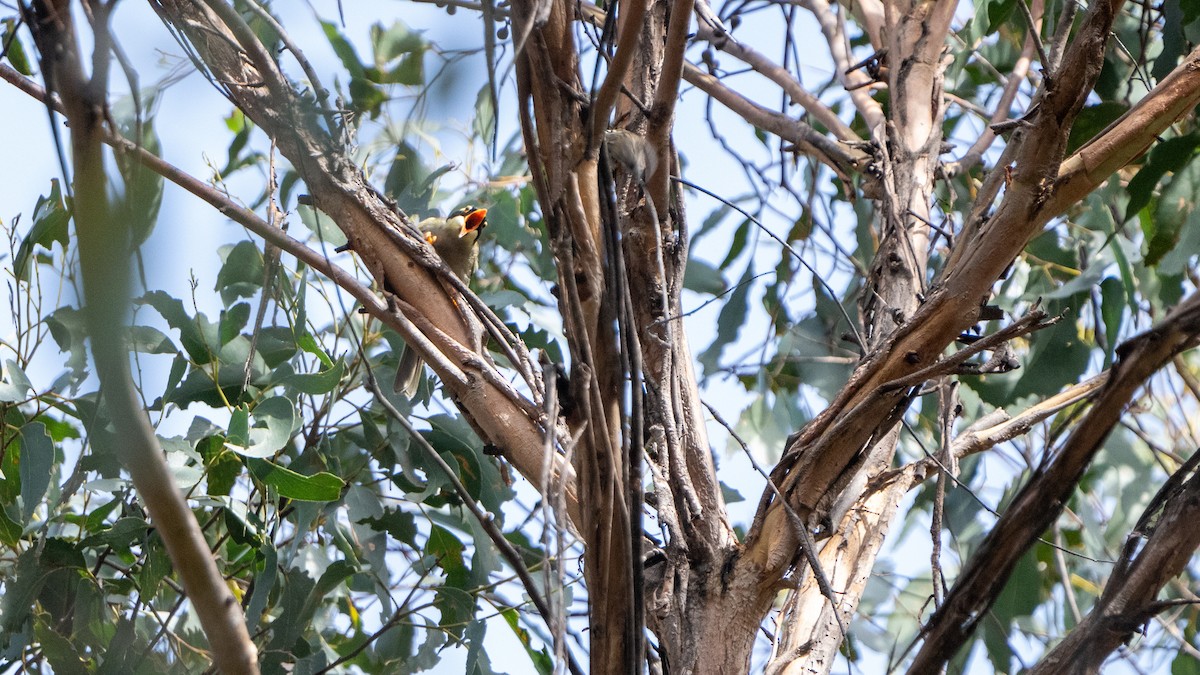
x,y
456,240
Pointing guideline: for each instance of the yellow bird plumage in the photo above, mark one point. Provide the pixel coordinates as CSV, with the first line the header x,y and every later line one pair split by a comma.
x,y
456,240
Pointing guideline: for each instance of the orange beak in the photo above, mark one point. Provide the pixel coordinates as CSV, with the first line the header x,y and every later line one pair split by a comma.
x,y
473,221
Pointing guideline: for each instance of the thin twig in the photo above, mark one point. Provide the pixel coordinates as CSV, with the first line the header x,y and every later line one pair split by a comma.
x,y
1033,32
817,276
1034,321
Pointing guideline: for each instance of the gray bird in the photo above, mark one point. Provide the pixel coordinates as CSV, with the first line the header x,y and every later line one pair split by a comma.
x,y
632,152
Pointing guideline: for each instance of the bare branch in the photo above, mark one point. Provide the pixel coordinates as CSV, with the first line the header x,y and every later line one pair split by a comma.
x,y
1130,596
632,14
989,432
843,159
1041,499
834,30
1129,136
780,76
1012,85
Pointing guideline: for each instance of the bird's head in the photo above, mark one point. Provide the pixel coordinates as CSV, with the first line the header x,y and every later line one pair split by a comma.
x,y
473,218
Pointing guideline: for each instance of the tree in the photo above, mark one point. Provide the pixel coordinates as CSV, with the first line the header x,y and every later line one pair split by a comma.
x,y
932,319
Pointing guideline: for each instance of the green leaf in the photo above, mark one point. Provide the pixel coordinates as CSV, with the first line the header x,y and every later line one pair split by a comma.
x,y
1180,258
234,159
291,610
740,236
274,422
729,322
37,463
802,227
452,598
60,653
407,180
1170,155
1058,356
998,13
318,383
1112,310
17,387
156,565
343,49
199,387
1021,595
730,495
1091,121
232,321
710,222
1171,211
398,524
276,344
399,55
50,218
365,94
484,124
222,468
239,429
242,525
310,345
67,328
1172,38
198,336
241,272
10,535
124,534
322,226
701,277
149,340
16,51
1080,284
319,487
22,586
139,204
267,573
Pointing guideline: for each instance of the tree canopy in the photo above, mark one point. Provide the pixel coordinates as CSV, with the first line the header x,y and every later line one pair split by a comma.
x,y
806,337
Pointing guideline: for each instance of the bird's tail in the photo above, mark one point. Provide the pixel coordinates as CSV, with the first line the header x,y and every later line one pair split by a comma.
x,y
408,373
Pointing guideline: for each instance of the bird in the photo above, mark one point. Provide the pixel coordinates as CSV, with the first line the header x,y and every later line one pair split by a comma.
x,y
456,240
633,153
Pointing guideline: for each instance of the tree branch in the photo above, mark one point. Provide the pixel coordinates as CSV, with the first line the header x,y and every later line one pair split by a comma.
x,y
843,159
834,30
780,76
1041,499
632,14
821,457
1130,596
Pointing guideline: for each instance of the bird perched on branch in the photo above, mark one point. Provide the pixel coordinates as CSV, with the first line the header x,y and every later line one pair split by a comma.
x,y
456,240
633,153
